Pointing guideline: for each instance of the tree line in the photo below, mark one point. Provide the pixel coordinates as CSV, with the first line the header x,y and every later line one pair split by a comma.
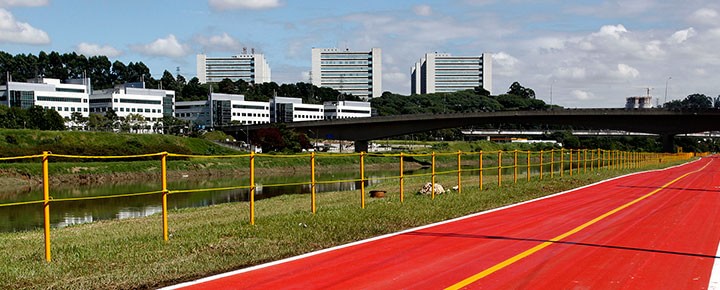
x,y
105,74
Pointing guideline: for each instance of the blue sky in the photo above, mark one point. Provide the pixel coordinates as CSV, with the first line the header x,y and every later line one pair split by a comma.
x,y
590,53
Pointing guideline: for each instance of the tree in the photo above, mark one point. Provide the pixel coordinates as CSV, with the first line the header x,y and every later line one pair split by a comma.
x,y
194,91
716,103
97,122
480,91
227,86
112,119
53,121
78,120
691,102
520,91
697,101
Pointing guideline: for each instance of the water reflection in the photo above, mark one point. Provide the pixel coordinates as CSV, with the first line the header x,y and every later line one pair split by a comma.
x,y
67,213
27,217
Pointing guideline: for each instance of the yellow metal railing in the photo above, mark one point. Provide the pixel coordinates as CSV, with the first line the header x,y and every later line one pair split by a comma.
x,y
577,160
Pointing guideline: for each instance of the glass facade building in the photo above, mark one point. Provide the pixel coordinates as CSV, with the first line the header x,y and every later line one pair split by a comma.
x,y
444,73
358,73
251,68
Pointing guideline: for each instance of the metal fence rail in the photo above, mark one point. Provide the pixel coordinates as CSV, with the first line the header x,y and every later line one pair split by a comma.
x,y
574,161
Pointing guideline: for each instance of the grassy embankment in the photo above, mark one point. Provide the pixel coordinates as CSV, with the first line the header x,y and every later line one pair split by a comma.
x,y
124,254
31,142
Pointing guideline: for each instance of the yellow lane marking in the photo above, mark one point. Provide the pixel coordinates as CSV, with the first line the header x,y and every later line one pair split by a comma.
x,y
503,264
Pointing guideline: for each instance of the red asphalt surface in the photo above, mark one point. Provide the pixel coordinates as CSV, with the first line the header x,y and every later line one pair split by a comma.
x,y
665,241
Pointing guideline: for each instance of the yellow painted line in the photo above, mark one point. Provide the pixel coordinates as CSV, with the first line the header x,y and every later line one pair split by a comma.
x,y
503,264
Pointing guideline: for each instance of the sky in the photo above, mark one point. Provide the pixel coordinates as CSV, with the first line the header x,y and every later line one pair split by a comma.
x,y
577,54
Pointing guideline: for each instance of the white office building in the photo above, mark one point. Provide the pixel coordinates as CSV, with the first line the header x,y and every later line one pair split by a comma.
x,y
444,73
252,68
638,102
228,109
347,109
133,99
286,110
65,98
358,73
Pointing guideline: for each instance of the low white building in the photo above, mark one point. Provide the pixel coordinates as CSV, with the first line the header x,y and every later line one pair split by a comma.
x,y
228,109
195,112
64,97
347,109
287,110
132,99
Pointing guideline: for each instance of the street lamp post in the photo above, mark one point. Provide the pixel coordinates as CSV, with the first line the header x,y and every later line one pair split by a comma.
x,y
666,89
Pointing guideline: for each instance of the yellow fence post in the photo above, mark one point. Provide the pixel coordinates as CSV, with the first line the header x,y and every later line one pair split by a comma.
x,y
541,164
163,177
528,165
499,164
402,178
252,187
362,179
585,160
459,170
571,163
432,177
46,203
562,162
578,160
480,171
515,167
313,207
552,163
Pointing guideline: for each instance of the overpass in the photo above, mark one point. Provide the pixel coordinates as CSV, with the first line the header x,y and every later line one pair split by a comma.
x,y
665,123
579,133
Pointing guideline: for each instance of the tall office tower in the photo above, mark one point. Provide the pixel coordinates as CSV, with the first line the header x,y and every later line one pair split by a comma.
x,y
442,73
251,68
358,73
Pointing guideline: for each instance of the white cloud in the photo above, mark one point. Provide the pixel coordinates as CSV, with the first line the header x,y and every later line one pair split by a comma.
x,y
168,47
244,4
705,16
26,3
223,42
422,10
504,64
570,73
614,31
682,35
91,49
582,95
626,71
13,31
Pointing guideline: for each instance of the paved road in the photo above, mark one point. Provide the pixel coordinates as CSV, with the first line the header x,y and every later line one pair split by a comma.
x,y
653,230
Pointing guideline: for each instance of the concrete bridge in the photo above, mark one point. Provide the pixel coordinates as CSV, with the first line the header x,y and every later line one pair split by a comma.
x,y
665,123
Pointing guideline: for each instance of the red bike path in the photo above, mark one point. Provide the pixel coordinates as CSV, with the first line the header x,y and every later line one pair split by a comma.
x,y
651,230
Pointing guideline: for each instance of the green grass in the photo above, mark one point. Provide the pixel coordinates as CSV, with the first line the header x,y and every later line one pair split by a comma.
x,y
32,142
130,253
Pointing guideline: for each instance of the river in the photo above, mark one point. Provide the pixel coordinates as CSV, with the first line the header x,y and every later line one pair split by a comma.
x,y
67,213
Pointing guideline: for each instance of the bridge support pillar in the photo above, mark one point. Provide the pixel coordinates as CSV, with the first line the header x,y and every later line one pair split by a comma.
x,y
361,146
668,143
